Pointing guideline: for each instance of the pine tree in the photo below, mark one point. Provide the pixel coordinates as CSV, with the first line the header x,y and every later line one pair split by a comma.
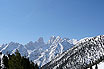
x,y
15,61
32,65
25,63
0,63
96,67
5,62
36,66
91,67
0,59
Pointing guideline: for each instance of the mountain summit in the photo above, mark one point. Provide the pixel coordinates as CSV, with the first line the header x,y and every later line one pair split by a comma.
x,y
85,53
39,51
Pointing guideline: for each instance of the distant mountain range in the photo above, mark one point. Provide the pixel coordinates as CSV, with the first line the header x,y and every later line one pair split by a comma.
x,y
60,53
39,51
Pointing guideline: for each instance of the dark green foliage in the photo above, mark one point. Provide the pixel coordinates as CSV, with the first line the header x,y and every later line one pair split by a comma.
x,y
36,66
0,53
15,61
5,61
0,64
27,64
0,60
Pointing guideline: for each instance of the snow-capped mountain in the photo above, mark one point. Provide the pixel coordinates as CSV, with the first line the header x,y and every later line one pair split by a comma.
x,y
57,45
39,51
84,53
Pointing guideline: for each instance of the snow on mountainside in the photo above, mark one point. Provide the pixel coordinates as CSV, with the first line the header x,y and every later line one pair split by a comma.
x,y
57,46
39,51
86,52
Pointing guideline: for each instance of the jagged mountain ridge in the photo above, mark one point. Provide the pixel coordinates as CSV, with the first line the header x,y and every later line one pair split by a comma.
x,y
39,51
86,51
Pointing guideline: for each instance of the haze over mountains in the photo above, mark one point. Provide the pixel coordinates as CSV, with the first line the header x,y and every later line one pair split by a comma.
x,y
39,51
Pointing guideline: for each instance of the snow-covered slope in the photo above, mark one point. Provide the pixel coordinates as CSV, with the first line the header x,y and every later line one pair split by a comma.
x,y
99,66
57,45
86,52
39,51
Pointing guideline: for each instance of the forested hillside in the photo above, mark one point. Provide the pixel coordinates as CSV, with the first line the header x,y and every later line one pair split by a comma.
x,y
85,54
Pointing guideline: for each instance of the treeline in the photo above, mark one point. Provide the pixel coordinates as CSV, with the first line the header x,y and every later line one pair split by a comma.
x,y
16,61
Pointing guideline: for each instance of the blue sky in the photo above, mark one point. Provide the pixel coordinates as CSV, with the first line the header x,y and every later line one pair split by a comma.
x,y
27,20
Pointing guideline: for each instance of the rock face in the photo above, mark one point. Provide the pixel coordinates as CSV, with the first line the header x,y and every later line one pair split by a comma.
x,y
39,51
86,52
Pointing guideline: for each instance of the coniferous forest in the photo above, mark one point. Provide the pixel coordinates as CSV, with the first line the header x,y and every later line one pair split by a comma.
x,y
16,61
